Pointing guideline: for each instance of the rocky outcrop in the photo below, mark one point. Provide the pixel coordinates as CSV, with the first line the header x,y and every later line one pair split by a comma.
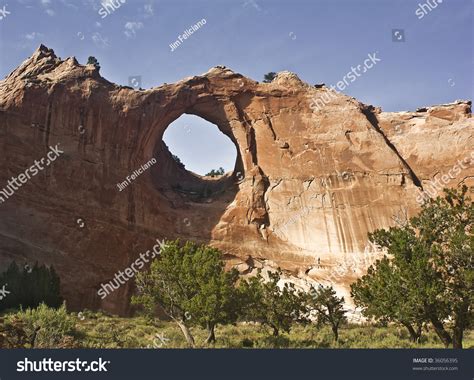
x,y
311,177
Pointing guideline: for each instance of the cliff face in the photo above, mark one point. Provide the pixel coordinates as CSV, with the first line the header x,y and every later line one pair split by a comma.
x,y
311,178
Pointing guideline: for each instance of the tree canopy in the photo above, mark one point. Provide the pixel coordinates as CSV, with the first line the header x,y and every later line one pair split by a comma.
x,y
93,61
29,286
428,274
269,77
272,303
328,307
218,172
189,282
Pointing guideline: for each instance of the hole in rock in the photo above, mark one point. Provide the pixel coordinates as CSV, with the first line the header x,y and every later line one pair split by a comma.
x,y
200,146
199,160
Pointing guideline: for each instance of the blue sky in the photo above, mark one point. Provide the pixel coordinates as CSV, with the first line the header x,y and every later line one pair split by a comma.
x,y
318,40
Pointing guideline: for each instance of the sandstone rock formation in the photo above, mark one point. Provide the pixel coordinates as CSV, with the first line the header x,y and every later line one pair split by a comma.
x,y
308,184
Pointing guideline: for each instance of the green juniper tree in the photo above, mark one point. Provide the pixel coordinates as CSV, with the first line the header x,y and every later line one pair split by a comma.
x,y
271,304
190,284
386,296
269,77
429,274
328,307
216,301
446,226
93,61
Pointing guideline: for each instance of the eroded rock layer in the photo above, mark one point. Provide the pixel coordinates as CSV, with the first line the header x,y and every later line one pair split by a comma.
x,y
312,178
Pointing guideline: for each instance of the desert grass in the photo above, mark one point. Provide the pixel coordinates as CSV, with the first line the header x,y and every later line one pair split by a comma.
x,y
98,330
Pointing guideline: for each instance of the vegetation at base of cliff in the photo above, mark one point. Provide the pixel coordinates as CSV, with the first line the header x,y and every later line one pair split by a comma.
x,y
41,327
143,333
188,282
29,286
428,277
418,295
191,286
99,330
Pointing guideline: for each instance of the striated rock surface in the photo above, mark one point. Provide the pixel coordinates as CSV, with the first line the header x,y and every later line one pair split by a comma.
x,y
308,184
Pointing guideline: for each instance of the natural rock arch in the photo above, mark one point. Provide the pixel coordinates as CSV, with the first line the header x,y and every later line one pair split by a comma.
x,y
290,158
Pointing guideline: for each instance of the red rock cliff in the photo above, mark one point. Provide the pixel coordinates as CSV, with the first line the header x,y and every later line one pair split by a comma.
x,y
309,181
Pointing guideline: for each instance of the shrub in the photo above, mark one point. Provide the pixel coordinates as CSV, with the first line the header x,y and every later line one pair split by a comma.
x,y
269,77
47,327
93,61
216,173
12,333
247,343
